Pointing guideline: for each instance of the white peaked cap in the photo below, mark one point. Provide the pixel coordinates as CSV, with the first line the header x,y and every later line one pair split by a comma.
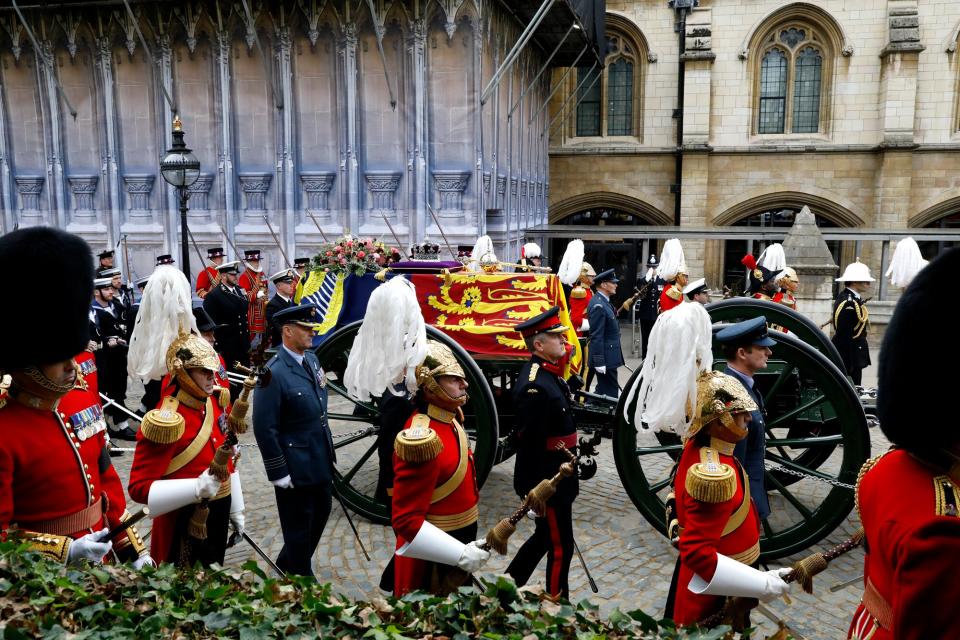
x,y
672,261
906,264
572,263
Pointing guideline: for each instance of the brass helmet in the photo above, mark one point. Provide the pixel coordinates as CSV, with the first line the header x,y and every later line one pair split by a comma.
x,y
439,361
719,396
788,275
190,351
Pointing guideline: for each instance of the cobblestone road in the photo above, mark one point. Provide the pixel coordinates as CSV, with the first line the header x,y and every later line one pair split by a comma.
x,y
631,562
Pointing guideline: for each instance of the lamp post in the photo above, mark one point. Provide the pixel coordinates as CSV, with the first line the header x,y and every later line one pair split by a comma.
x,y
180,168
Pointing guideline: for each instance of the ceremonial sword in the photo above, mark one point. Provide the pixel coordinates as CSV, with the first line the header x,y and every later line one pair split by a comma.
x,y
235,538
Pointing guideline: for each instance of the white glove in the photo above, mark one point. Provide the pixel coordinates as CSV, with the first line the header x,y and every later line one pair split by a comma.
x,y
283,483
602,369
144,561
473,557
237,521
732,578
585,325
92,547
207,485
261,294
776,586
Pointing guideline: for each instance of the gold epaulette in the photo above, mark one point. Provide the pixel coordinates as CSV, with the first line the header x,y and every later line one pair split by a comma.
x,y
947,496
533,371
164,425
418,443
223,396
578,293
674,292
710,480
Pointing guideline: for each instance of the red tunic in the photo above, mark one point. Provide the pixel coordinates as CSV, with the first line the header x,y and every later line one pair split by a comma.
x,y
909,515
206,280
414,486
578,308
50,464
701,536
151,460
252,282
670,297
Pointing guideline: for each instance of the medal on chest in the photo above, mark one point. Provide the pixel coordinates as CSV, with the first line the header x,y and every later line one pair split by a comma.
x,y
87,367
88,422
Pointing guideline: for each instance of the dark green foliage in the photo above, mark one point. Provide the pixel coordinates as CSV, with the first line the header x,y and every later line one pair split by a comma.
x,y
39,598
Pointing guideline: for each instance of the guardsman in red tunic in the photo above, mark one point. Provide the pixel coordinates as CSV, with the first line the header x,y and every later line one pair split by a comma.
x,y
210,277
716,521
673,270
57,484
254,284
171,469
909,498
434,504
579,299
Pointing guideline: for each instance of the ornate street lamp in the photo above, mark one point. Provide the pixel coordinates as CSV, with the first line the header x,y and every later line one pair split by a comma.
x,y
180,168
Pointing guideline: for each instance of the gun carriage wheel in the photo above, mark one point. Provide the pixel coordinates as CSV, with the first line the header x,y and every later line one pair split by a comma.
x,y
356,426
817,440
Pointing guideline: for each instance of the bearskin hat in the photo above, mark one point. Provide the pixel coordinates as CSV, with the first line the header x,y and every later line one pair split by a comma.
x,y
56,327
912,396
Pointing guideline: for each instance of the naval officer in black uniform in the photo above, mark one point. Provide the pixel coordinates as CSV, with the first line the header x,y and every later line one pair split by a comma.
x,y
543,408
851,321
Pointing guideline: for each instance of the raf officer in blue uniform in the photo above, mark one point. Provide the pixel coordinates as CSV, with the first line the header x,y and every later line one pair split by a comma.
x,y
746,347
290,423
605,351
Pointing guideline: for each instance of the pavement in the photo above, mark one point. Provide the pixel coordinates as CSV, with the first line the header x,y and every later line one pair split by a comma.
x,y
631,562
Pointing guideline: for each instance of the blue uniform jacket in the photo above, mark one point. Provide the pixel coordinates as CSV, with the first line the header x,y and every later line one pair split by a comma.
x,y
751,450
290,422
605,350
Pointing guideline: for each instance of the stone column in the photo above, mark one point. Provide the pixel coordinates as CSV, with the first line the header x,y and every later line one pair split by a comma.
x,y
316,188
349,163
110,156
286,156
7,199
29,189
807,253
56,180
226,165
416,47
84,187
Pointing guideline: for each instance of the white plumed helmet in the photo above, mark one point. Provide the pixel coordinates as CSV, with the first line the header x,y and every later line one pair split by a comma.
x,y
672,261
906,264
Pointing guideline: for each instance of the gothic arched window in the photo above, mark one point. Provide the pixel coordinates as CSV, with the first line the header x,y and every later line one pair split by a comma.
x,y
792,80
609,100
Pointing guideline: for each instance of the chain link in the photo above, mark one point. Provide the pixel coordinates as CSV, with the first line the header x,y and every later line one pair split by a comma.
x,y
800,474
340,436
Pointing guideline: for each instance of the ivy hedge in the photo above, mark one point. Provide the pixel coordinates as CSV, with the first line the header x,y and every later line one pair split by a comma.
x,y
39,598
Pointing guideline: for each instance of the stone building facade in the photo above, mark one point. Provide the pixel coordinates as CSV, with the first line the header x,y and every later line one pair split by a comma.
x,y
306,113
850,108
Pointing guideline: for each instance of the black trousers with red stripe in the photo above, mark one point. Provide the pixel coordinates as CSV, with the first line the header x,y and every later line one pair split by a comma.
x,y
553,537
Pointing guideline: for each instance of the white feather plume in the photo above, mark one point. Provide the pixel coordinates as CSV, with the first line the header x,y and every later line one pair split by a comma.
x,y
166,310
672,261
483,246
391,343
773,258
572,263
906,264
679,349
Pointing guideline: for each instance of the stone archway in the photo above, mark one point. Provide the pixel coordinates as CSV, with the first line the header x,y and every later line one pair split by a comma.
x,y
646,212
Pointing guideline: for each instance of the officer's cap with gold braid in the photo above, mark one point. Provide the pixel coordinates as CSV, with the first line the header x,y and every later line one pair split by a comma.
x,y
719,397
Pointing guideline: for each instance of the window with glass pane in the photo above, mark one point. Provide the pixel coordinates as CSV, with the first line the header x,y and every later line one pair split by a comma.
x,y
773,92
588,111
806,91
620,100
